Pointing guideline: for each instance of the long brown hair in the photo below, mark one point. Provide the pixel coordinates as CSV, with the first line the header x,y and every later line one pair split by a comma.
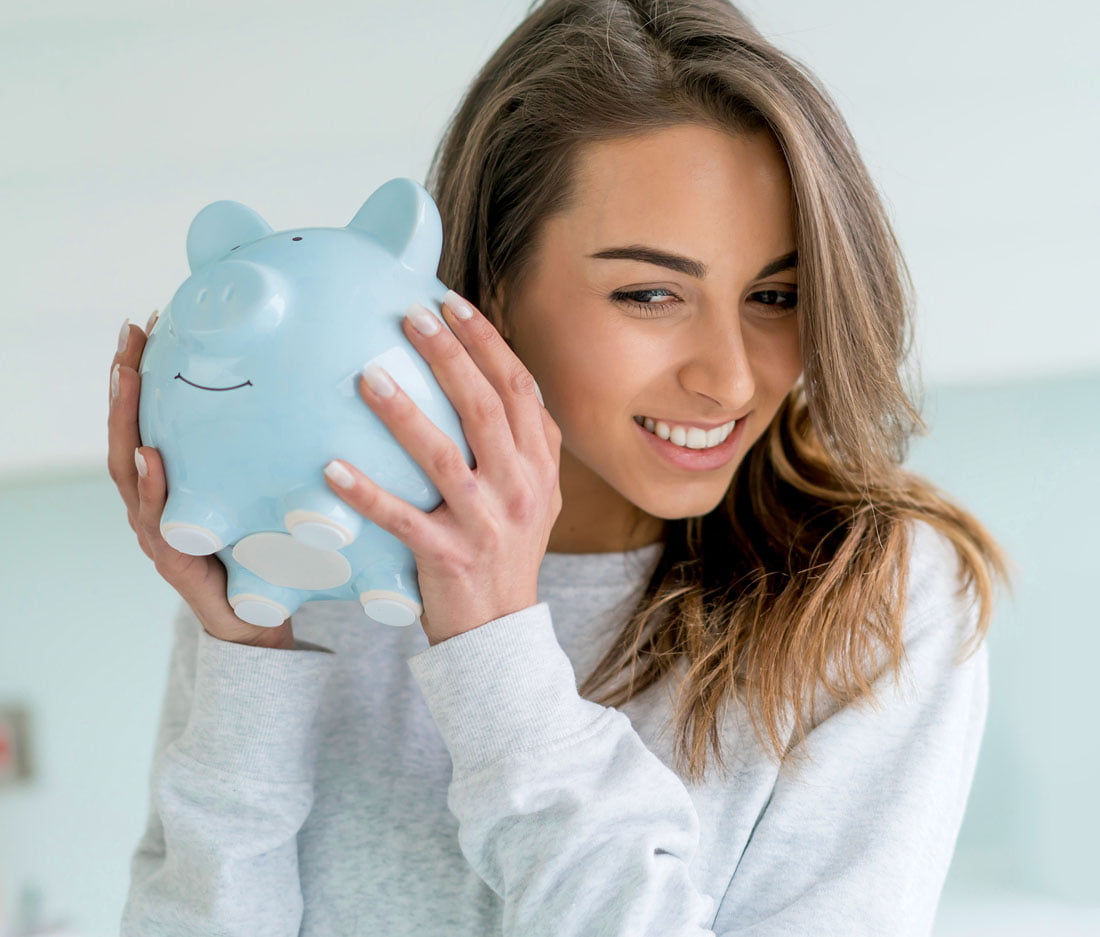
x,y
802,567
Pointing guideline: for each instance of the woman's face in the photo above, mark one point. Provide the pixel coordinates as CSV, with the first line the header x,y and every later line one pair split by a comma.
x,y
705,339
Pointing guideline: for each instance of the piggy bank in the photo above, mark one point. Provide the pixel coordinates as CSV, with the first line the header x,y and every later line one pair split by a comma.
x,y
249,386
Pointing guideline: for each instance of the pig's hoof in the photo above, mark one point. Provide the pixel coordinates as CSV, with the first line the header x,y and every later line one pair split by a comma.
x,y
390,608
257,610
191,538
317,531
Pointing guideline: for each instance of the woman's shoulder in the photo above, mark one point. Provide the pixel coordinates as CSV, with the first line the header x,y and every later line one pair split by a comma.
x,y
935,571
941,604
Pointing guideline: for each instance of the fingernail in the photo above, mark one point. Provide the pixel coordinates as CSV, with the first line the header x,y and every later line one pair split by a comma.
x,y
152,321
139,462
379,381
423,321
124,337
114,382
339,475
538,393
458,305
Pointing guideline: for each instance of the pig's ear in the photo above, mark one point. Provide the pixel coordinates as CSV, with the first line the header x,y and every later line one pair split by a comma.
x,y
402,217
220,227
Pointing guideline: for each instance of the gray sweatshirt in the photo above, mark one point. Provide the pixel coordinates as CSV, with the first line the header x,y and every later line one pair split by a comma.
x,y
366,783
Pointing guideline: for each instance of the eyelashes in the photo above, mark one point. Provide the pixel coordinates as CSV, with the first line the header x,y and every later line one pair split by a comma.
x,y
785,301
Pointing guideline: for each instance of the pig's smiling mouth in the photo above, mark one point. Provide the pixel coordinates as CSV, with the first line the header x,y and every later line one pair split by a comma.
x,y
180,377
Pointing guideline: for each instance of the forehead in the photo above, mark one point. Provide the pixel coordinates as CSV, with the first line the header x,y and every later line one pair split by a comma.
x,y
696,189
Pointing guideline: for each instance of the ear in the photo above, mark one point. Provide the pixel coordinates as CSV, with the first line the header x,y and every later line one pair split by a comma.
x,y
402,217
220,227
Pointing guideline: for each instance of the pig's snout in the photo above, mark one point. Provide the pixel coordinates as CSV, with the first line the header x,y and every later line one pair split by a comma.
x,y
229,298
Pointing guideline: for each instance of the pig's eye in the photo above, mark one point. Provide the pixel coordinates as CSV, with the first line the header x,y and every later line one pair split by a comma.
x,y
295,239
233,249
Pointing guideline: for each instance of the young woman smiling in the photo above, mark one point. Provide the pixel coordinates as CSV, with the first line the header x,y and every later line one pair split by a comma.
x,y
659,220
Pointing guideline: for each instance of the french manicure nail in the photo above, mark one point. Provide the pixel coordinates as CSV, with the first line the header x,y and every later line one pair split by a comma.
x,y
124,337
114,382
339,475
139,463
152,321
379,381
458,305
423,321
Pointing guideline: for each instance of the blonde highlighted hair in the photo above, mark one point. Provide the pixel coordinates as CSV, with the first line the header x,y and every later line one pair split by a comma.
x,y
802,568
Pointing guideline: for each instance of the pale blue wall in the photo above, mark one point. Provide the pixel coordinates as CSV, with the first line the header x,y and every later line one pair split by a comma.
x,y
1025,458
84,641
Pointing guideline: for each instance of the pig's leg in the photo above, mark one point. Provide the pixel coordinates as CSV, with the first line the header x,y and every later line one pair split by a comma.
x,y
256,600
386,582
192,526
319,519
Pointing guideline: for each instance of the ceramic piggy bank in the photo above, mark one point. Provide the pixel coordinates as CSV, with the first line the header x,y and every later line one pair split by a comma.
x,y
249,386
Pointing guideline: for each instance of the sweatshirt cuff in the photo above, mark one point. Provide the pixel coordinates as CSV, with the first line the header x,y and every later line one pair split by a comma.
x,y
253,709
502,689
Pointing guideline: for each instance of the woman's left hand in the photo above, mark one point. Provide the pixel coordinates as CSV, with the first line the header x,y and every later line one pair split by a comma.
x,y
478,553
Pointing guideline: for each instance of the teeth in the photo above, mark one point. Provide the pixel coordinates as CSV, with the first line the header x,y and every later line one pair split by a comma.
x,y
688,437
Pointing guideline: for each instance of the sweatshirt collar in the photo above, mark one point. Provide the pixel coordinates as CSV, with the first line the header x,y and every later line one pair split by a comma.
x,y
600,570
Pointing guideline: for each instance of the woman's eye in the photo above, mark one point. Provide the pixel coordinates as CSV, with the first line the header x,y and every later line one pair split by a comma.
x,y
630,298
783,301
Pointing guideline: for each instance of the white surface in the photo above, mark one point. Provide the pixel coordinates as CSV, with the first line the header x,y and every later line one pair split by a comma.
x,y
123,119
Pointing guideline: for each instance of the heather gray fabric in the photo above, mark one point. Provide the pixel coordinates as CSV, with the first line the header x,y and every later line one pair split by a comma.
x,y
366,783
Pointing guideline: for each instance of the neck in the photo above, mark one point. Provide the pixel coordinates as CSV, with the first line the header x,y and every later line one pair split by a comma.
x,y
567,538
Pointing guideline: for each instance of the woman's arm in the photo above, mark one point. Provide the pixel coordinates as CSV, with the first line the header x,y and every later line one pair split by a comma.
x,y
563,811
174,710
231,785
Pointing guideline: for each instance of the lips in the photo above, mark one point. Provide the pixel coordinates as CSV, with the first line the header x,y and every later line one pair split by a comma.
x,y
708,459
180,377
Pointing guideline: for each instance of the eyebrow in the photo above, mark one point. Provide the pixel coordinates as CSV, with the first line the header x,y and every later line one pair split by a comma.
x,y
681,264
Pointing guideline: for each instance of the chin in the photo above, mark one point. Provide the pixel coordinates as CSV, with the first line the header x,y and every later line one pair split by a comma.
x,y
678,508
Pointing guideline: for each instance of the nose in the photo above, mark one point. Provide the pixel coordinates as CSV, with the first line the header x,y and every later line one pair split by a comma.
x,y
227,299
718,366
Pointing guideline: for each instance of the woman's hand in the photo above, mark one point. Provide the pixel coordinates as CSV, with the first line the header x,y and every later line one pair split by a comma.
x,y
200,580
478,553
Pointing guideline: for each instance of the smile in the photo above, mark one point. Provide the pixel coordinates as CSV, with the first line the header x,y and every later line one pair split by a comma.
x,y
708,458
687,437
180,377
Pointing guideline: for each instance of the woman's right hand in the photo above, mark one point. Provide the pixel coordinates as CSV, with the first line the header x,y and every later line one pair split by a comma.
x,y
200,580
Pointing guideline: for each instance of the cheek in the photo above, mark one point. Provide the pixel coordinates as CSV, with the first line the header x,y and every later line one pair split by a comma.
x,y
596,363
587,388
599,385
568,374
776,358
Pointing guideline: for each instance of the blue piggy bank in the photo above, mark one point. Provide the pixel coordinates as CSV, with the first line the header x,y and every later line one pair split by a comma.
x,y
249,386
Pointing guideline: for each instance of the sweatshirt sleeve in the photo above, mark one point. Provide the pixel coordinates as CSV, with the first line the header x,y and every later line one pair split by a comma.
x,y
581,830
231,785
562,810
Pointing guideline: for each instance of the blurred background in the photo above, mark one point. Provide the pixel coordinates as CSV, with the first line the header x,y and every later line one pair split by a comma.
x,y
121,120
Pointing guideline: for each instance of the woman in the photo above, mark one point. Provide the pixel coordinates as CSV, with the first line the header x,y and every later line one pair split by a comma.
x,y
661,221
